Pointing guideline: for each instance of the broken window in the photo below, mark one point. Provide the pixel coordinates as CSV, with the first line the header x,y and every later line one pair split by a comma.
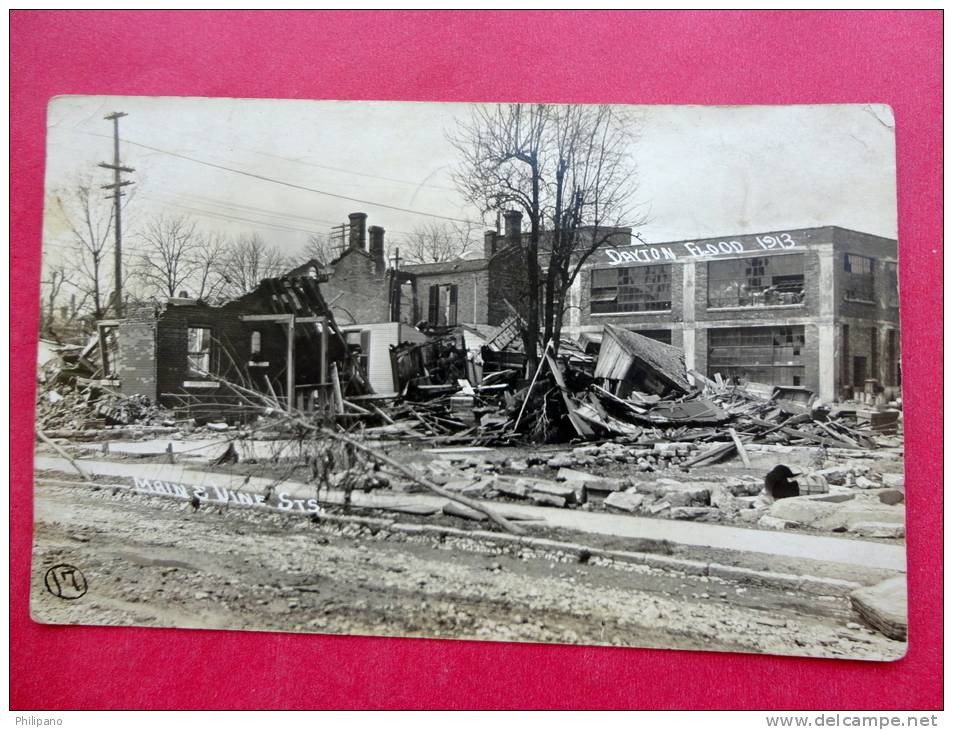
x,y
771,355
893,291
200,351
631,289
860,278
442,305
762,281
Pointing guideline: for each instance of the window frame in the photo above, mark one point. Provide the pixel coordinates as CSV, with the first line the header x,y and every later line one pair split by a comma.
x,y
603,292
862,282
752,271
206,351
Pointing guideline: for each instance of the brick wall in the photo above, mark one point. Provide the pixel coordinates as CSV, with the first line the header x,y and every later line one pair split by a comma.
x,y
507,283
230,348
136,362
472,289
359,289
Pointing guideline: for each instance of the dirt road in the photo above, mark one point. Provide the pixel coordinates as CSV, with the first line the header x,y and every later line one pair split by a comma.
x,y
157,562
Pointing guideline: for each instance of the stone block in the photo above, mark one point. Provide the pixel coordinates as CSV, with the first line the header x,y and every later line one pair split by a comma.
x,y
547,500
692,513
890,496
884,607
878,529
894,481
518,489
624,501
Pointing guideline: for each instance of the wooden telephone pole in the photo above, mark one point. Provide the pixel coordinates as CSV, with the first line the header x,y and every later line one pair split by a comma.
x,y
116,186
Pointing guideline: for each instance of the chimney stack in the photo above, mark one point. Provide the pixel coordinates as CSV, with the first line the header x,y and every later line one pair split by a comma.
x,y
376,244
489,244
513,222
356,237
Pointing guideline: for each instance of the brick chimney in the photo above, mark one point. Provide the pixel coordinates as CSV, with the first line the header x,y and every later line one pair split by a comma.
x,y
376,244
489,244
357,234
513,225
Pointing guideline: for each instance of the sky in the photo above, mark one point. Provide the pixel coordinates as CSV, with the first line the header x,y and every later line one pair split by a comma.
x,y
702,172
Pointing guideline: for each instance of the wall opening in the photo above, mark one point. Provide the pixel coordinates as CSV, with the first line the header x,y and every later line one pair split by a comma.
x,y
200,351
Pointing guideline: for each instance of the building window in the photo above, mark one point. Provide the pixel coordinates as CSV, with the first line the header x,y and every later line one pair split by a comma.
x,y
762,281
359,345
860,278
200,351
893,290
442,305
632,289
771,355
255,344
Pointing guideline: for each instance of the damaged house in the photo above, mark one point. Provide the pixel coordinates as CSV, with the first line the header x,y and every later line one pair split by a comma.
x,y
279,339
379,305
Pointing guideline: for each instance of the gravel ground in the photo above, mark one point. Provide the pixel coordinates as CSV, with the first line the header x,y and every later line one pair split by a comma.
x,y
156,562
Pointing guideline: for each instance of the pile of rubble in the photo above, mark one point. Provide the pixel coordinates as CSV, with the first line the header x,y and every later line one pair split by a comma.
x,y
72,399
93,407
855,499
637,392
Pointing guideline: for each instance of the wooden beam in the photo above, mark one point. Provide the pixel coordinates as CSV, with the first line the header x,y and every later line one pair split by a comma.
x,y
324,350
284,318
740,446
290,365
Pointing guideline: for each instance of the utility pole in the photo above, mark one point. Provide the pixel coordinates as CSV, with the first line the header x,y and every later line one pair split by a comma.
x,y
116,186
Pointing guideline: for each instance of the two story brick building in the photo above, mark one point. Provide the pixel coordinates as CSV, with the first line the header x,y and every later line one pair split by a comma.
x,y
362,288
815,307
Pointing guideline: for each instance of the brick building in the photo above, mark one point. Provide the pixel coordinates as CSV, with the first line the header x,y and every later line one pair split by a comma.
x,y
815,307
275,339
362,288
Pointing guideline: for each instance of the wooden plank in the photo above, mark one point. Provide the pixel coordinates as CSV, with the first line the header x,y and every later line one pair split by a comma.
x,y
582,428
281,318
338,396
740,446
290,364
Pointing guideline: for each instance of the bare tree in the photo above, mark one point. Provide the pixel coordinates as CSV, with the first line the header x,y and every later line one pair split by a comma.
x,y
56,276
249,260
438,242
570,171
89,220
170,257
209,280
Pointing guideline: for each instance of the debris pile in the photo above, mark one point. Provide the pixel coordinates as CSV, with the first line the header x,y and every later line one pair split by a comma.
x,y
93,407
636,392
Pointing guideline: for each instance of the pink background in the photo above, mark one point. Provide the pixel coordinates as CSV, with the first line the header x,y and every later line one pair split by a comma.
x,y
636,57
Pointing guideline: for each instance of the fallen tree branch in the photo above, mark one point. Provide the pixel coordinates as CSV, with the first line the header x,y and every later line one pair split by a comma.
x,y
49,442
251,396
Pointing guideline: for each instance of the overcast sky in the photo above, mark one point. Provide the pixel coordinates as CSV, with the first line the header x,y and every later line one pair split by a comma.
x,y
703,171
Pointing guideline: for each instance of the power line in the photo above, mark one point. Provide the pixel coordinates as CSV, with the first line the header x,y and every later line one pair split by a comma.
x,y
252,210
295,186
